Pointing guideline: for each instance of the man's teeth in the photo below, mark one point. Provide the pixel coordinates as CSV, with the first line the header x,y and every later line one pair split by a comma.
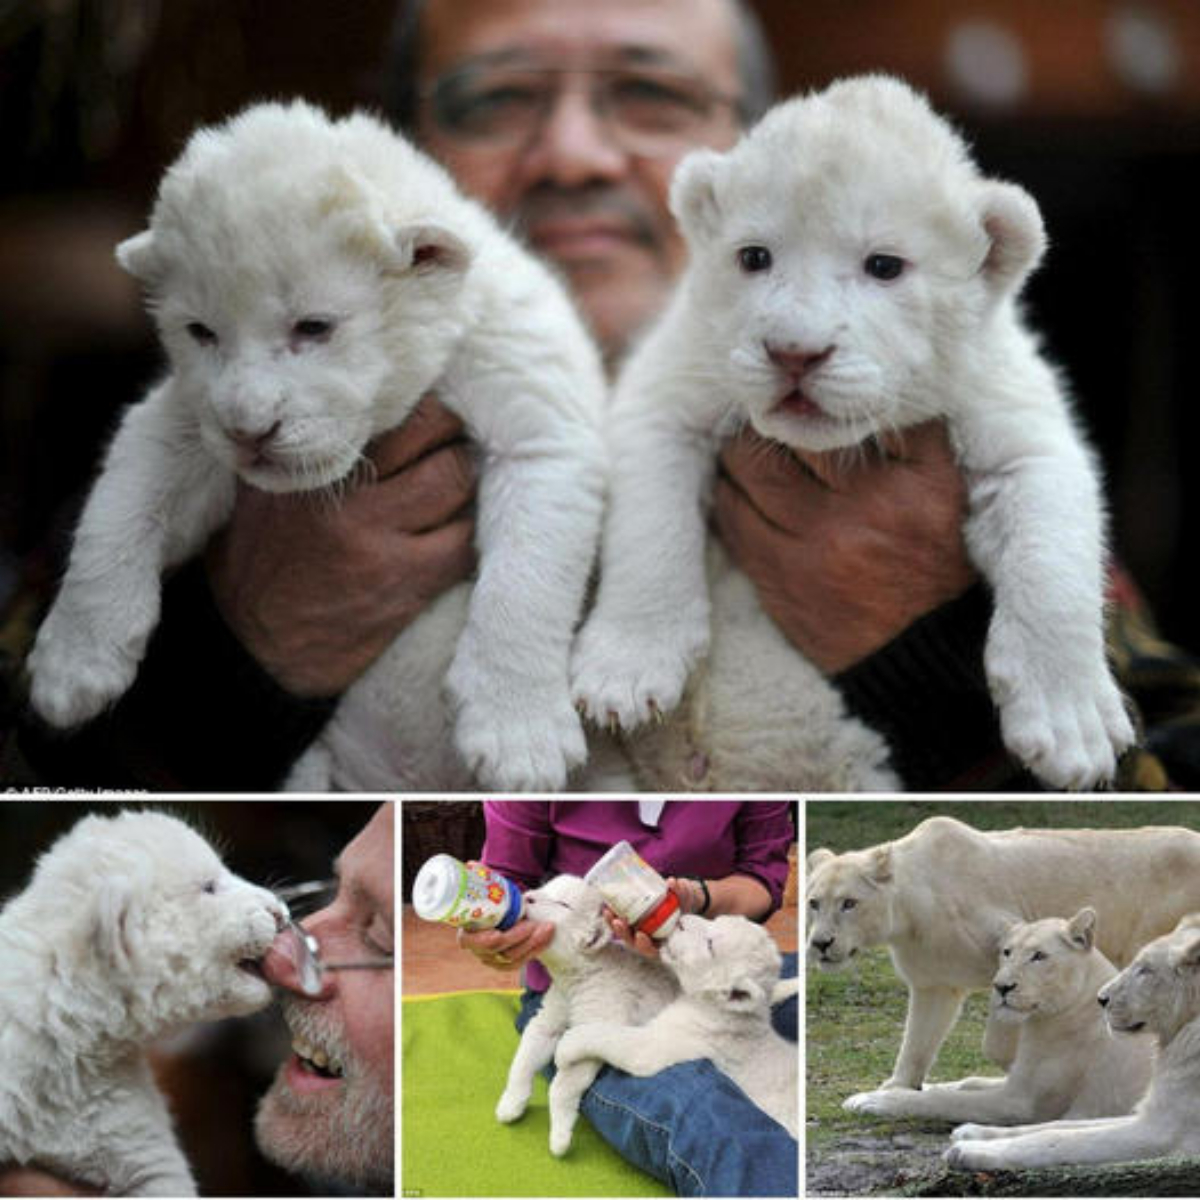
x,y
316,1056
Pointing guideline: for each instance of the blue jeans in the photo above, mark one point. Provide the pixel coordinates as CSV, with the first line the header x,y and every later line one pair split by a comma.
x,y
691,1126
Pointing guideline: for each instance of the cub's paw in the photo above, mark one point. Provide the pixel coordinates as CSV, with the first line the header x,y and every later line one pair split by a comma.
x,y
569,1050
624,675
526,741
1067,725
75,674
511,1106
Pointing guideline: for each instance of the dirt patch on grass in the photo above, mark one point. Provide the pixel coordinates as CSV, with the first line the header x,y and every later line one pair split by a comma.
x,y
875,1165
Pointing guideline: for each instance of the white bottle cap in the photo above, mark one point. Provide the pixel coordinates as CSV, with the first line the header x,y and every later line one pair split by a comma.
x,y
437,887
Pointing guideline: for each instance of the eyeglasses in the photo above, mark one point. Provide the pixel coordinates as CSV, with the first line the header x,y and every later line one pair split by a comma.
x,y
305,951
649,112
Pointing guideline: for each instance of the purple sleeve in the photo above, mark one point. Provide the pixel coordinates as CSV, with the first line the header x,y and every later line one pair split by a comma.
x,y
764,831
519,839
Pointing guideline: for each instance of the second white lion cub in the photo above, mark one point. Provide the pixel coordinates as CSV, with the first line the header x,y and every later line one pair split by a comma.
x,y
311,280
852,273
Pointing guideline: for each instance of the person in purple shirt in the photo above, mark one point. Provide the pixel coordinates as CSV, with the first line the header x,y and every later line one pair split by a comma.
x,y
689,1126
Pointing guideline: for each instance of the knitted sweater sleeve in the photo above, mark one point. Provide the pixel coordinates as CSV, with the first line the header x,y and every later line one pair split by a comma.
x,y
927,694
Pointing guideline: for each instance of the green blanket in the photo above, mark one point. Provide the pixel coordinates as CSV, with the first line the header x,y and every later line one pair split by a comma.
x,y
456,1051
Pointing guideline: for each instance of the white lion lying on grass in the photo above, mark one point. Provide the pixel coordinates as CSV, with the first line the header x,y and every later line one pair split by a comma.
x,y
130,929
1159,993
1067,1064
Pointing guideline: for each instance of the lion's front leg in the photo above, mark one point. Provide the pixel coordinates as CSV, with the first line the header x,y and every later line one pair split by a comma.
x,y
932,1012
566,1093
1118,1139
971,1132
535,1050
981,1100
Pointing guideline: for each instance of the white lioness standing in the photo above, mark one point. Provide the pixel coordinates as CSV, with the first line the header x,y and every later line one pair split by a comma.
x,y
1159,993
942,897
311,280
1066,1064
852,274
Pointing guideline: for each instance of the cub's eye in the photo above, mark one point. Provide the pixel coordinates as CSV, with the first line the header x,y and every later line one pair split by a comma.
x,y
848,904
313,329
754,258
884,267
814,905
1038,956
211,887
1006,953
201,334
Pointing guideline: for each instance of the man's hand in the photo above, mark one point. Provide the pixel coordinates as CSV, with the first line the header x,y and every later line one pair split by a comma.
x,y
29,1181
847,548
317,588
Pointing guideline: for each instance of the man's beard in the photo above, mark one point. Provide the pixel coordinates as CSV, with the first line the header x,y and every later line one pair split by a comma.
x,y
340,1136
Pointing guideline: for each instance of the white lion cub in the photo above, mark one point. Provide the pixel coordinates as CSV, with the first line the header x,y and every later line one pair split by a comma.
x,y
131,929
852,273
594,978
312,279
728,972
1066,1065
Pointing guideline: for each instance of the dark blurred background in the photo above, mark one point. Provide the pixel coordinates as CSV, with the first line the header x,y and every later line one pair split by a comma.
x,y
213,1074
1094,105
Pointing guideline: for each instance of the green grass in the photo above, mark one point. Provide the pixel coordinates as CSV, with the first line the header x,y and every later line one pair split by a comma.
x,y
855,1018
853,1023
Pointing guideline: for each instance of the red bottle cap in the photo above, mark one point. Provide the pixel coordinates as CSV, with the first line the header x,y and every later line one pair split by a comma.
x,y
658,917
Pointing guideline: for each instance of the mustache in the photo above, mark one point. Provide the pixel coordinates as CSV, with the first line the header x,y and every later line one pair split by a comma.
x,y
550,202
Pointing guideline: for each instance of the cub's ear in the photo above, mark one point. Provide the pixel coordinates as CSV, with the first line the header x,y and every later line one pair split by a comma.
x,y
819,858
1017,238
595,937
109,934
694,194
1081,929
429,247
742,994
139,256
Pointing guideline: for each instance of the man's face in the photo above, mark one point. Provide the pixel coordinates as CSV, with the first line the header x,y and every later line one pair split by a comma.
x,y
586,193
316,1120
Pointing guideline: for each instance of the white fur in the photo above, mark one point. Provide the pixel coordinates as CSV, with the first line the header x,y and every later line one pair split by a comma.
x,y
131,928
1158,992
1066,1064
941,898
278,217
595,979
824,183
728,972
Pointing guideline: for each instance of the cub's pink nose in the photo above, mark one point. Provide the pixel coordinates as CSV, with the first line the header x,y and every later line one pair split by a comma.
x,y
252,439
797,360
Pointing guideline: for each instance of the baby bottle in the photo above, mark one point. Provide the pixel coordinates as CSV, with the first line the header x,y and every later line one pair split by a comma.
x,y
466,896
634,890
